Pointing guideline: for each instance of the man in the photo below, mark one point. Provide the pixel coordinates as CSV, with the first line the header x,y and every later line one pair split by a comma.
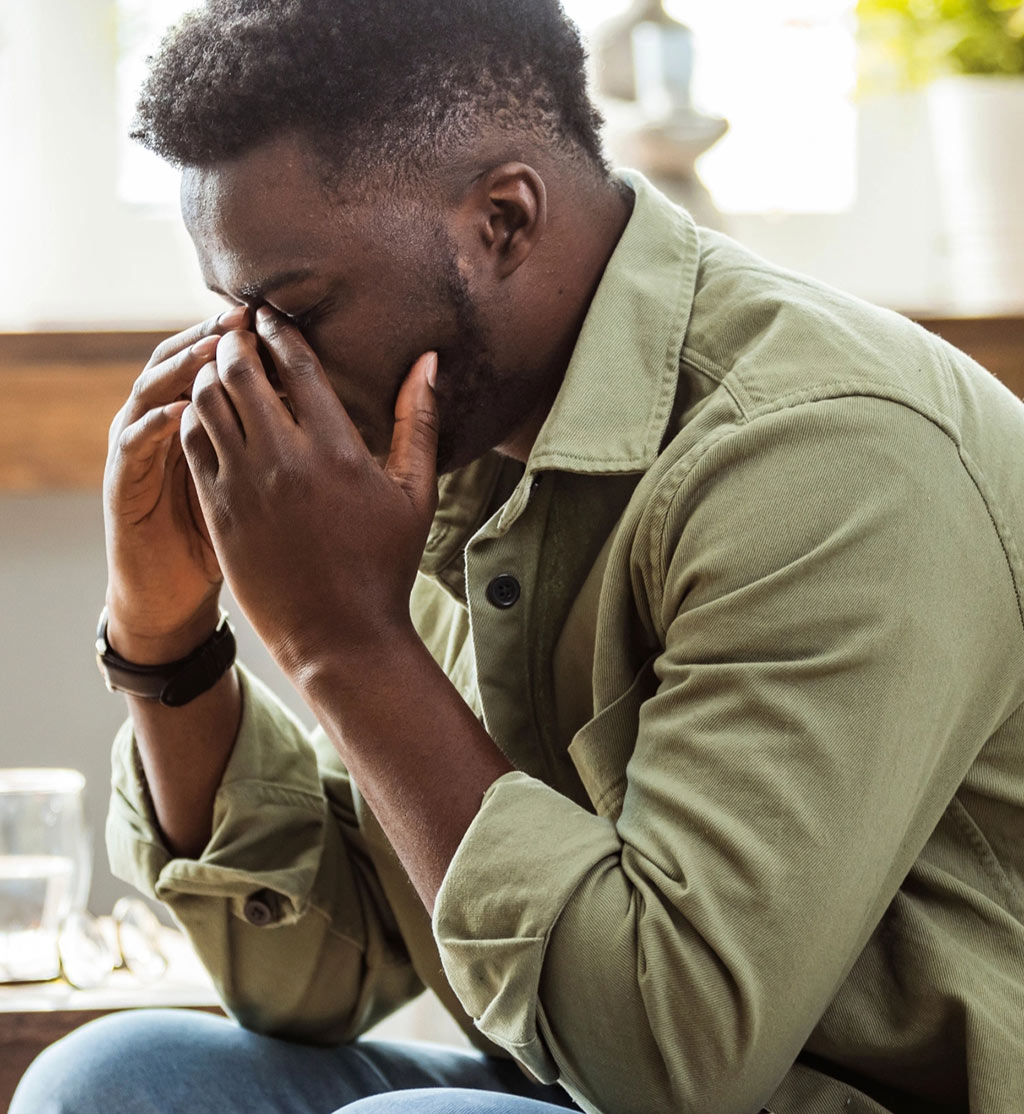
x,y
678,744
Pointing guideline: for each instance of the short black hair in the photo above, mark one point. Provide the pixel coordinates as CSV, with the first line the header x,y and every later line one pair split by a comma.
x,y
373,85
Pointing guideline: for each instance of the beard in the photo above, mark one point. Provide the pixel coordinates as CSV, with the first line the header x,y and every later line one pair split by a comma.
x,y
480,404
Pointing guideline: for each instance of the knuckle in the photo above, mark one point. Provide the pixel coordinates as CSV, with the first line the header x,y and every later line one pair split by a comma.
x,y
138,391
204,397
192,436
165,349
235,370
287,474
206,385
125,441
425,424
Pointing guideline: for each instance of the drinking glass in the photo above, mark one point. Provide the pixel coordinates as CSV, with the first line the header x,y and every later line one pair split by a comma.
x,y
45,868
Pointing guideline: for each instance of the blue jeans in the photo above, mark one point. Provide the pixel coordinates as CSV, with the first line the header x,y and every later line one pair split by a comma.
x,y
186,1062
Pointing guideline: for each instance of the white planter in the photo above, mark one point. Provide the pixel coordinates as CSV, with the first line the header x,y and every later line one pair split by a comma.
x,y
977,126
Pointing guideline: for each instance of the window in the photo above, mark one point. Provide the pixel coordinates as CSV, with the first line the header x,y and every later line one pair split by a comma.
x,y
143,178
782,72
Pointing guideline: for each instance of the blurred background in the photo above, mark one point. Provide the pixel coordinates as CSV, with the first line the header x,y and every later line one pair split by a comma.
x,y
875,145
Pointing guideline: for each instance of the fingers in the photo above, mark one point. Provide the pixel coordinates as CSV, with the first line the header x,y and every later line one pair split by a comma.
x,y
212,405
412,463
302,378
244,379
174,364
200,453
142,445
169,380
233,318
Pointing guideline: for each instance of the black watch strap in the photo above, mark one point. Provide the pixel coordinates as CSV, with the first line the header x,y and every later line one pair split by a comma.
x,y
176,683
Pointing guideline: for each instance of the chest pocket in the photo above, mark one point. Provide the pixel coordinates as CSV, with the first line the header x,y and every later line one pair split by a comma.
x,y
602,748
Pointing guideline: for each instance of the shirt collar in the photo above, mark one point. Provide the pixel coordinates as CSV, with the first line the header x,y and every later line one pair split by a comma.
x,y
633,334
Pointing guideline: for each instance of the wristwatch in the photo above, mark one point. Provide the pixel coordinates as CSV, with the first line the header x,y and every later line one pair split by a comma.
x,y
177,682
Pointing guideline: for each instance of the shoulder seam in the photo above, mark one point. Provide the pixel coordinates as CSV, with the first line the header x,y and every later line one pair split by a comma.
x,y
720,375
804,398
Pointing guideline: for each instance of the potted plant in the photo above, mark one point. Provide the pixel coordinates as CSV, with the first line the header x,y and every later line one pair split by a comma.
x,y
968,57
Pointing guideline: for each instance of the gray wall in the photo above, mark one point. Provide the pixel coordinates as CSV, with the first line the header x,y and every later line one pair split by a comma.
x,y
54,709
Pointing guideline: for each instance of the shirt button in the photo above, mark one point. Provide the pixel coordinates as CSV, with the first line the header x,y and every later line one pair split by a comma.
x,y
257,909
504,591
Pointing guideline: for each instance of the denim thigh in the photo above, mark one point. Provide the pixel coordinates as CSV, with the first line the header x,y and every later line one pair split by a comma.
x,y
171,1061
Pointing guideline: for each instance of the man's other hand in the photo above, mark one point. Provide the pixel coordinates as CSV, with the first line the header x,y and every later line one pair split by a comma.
x,y
163,575
319,541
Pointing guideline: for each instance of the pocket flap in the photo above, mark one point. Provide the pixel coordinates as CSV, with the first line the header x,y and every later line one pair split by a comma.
x,y
602,748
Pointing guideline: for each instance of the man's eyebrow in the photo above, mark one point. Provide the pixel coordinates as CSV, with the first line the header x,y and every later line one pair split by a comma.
x,y
258,291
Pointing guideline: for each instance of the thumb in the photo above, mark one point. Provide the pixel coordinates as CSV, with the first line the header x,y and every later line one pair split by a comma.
x,y
412,462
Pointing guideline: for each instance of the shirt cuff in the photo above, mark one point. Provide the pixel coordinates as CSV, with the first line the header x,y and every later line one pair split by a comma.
x,y
518,865
272,773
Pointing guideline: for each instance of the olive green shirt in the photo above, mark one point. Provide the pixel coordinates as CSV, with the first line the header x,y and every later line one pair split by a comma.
x,y
756,651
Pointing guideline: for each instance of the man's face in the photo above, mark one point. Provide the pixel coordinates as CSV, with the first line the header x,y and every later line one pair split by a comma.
x,y
370,287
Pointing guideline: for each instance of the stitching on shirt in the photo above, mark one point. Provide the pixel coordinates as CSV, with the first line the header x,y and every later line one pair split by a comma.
x,y
275,794
836,389
813,397
1006,544
987,857
664,496
632,463
706,366
670,378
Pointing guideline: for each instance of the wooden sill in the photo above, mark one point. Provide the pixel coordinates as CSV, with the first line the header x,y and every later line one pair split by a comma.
x,y
61,391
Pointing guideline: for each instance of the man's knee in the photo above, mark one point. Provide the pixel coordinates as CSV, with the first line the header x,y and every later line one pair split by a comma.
x,y
99,1067
445,1100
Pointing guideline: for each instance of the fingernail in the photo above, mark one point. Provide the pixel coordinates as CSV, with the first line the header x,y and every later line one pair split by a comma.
x,y
432,370
233,316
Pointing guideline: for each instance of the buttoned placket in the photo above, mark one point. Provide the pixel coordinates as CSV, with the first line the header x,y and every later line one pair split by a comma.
x,y
502,561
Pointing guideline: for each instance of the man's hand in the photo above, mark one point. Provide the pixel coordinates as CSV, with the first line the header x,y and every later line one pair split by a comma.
x,y
319,542
163,576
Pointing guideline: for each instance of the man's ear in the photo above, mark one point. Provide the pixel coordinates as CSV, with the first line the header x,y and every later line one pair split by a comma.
x,y
506,212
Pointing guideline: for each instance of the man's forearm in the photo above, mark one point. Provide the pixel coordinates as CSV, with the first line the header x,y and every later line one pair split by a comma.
x,y
414,747
185,750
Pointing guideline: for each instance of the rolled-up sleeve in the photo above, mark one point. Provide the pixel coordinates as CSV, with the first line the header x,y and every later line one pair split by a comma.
x,y
283,906
840,635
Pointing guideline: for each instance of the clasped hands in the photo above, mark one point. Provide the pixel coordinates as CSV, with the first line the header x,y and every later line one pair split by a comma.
x,y
319,542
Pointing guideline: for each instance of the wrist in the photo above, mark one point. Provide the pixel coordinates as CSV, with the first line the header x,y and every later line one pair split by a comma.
x,y
144,645
360,669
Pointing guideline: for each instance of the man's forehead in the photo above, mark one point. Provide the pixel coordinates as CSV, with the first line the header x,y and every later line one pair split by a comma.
x,y
247,198
261,222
